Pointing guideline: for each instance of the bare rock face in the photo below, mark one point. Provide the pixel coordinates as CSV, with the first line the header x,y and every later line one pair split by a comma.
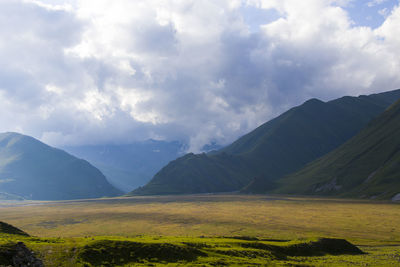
x,y
327,187
24,257
396,197
18,255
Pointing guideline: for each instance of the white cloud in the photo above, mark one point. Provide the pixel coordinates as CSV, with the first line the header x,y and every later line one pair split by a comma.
x,y
98,71
375,2
383,12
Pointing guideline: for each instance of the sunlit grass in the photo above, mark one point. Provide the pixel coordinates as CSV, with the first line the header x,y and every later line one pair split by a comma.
x,y
373,226
259,216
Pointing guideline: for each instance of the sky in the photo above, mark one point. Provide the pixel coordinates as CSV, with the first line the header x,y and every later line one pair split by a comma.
x,y
75,72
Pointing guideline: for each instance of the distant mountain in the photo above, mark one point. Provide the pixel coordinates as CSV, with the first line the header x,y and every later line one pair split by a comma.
x,y
7,196
131,165
33,170
198,174
281,146
368,165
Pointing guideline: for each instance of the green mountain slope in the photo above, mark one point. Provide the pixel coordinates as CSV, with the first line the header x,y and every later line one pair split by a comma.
x,y
34,170
279,147
368,165
198,174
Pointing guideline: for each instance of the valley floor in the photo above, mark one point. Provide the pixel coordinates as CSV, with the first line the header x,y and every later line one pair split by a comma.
x,y
204,226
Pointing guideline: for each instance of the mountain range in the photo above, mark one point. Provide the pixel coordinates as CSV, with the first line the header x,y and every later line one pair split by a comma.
x,y
345,147
256,161
30,169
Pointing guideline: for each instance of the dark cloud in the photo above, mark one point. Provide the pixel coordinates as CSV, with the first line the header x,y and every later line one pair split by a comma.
x,y
98,71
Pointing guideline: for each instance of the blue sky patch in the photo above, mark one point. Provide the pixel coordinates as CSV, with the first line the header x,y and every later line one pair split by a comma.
x,y
370,13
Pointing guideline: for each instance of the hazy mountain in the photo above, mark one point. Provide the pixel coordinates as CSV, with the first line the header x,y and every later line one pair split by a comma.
x,y
7,196
132,165
281,146
368,165
34,170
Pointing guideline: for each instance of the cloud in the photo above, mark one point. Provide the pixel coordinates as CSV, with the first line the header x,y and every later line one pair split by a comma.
x,y
375,3
87,72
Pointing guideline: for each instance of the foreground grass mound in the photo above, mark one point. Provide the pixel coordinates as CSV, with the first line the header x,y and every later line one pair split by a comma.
x,y
6,228
318,247
171,251
321,247
111,253
13,252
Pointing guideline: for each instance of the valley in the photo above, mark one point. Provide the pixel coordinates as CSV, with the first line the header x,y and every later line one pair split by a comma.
x,y
199,133
211,221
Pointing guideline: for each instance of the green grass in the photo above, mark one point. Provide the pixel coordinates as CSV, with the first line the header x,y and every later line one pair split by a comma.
x,y
207,231
145,250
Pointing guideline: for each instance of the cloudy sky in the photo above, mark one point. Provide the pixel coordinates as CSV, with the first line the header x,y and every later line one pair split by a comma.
x,y
116,71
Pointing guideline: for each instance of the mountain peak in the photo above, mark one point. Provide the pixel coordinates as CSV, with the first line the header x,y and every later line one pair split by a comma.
x,y
314,101
33,170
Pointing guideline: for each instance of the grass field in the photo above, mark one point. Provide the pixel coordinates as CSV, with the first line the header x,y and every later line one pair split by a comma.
x,y
204,219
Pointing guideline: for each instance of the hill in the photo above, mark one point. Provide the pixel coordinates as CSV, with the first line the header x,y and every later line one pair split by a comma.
x,y
281,146
368,165
6,228
129,166
34,170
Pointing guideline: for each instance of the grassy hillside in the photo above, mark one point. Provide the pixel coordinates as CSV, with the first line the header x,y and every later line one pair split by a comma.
x,y
34,170
281,146
198,174
368,165
6,228
177,251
